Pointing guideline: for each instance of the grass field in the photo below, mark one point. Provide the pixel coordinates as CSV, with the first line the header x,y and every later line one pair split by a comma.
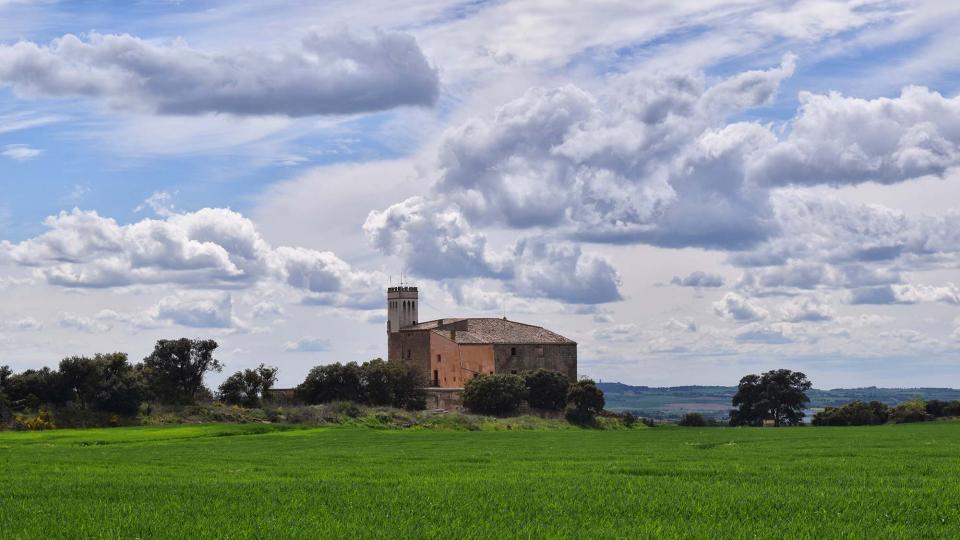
x,y
262,481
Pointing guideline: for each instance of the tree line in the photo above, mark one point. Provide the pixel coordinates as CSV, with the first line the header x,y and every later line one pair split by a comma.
x,y
779,398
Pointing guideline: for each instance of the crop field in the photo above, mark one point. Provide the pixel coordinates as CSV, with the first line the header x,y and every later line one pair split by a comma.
x,y
264,481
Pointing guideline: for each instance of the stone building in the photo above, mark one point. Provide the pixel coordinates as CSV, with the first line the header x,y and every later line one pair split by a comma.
x,y
451,351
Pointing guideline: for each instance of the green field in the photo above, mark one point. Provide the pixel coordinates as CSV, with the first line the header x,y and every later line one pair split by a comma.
x,y
262,481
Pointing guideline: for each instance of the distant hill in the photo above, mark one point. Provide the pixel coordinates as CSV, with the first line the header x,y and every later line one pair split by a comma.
x,y
674,401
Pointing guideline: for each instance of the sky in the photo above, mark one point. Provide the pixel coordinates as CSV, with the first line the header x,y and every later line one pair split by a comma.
x,y
692,191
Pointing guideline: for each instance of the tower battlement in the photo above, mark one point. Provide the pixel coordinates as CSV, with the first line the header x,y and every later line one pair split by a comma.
x,y
403,307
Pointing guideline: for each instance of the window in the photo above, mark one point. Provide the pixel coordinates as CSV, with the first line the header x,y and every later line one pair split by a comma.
x,y
438,358
436,378
540,352
513,351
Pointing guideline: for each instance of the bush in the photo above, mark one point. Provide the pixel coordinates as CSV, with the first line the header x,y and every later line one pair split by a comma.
x,y
914,410
938,408
585,398
855,413
546,389
42,422
629,419
952,409
494,394
693,419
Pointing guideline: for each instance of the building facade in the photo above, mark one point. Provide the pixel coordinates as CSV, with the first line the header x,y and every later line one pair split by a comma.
x,y
450,352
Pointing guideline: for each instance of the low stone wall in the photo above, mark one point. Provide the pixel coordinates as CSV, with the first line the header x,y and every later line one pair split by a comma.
x,y
448,399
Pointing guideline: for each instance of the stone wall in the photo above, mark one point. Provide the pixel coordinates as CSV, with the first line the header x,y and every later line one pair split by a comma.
x,y
448,399
519,358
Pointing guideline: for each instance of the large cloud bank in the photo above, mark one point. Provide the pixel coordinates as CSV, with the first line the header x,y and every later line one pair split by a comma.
x,y
326,74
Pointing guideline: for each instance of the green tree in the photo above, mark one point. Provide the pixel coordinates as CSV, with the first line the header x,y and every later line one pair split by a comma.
x,y
332,382
855,413
35,387
5,373
585,401
778,395
175,370
494,394
393,383
546,389
914,410
693,419
248,387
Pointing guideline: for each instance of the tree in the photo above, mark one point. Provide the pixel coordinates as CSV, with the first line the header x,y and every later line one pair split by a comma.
x,y
693,419
494,394
914,410
855,413
175,369
546,389
952,409
79,376
5,373
248,387
118,389
585,401
936,407
778,395
35,387
393,383
332,382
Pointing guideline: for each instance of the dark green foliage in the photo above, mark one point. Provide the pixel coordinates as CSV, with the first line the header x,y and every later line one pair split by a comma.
x,y
32,388
332,382
5,410
393,383
105,382
937,408
494,394
914,410
248,387
855,413
629,419
584,401
546,389
174,371
693,419
117,388
952,408
778,395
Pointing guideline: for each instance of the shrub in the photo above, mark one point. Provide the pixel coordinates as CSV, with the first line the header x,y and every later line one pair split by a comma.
x,y
546,389
855,413
494,394
584,402
693,419
937,408
42,422
629,419
952,409
914,410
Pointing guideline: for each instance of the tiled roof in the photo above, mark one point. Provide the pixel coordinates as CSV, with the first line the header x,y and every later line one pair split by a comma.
x,y
484,330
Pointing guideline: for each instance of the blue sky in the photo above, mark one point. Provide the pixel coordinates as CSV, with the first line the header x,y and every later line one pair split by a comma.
x,y
690,191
